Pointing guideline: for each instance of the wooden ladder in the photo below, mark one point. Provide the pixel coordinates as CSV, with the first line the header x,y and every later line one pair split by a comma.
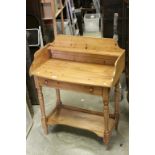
x,y
72,17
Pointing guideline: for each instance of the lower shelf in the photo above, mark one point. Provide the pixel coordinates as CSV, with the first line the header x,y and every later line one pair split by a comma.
x,y
79,118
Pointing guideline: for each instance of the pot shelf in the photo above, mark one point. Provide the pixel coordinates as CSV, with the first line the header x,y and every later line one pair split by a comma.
x,y
79,118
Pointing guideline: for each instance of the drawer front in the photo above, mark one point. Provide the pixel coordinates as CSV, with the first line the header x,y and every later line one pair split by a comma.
x,y
70,86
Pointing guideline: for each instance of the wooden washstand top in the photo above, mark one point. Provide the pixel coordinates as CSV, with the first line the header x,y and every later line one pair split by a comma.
x,y
80,60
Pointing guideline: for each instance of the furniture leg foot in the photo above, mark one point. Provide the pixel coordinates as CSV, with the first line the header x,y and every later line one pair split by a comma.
x,y
106,138
107,147
106,141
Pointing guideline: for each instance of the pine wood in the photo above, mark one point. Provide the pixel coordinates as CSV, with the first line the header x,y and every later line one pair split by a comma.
x,y
83,120
40,57
119,67
78,41
93,90
82,64
42,106
81,56
86,111
75,72
106,115
117,101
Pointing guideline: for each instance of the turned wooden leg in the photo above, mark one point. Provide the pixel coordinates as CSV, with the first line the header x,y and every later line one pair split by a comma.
x,y
58,97
117,102
42,106
106,115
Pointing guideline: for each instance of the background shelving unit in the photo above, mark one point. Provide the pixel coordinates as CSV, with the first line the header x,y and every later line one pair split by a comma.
x,y
50,10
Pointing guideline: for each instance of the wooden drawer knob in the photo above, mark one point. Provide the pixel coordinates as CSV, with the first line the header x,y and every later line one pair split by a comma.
x,y
46,82
91,89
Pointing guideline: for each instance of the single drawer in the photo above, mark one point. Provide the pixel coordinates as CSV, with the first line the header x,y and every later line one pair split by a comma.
x,y
94,90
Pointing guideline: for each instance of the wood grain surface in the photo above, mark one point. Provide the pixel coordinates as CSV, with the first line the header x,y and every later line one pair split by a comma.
x,y
85,64
75,72
79,119
80,60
